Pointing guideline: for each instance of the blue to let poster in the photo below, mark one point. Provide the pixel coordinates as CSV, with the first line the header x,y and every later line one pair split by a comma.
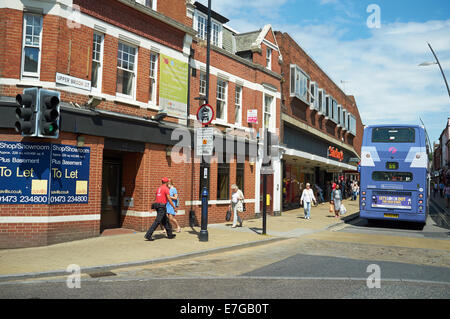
x,y
43,173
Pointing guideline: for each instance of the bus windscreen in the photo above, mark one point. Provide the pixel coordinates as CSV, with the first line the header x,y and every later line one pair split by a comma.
x,y
393,135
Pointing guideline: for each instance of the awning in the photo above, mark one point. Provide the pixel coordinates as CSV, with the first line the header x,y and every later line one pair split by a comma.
x,y
315,160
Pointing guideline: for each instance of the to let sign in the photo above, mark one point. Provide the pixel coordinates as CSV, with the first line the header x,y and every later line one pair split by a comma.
x,y
252,116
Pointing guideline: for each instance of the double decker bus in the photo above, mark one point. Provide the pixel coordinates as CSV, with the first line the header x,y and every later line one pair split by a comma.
x,y
394,173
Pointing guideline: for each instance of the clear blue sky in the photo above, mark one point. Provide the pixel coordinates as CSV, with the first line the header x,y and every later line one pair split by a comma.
x,y
379,66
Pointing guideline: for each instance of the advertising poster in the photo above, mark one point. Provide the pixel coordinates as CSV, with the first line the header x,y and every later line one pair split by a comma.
x,y
398,202
43,173
173,86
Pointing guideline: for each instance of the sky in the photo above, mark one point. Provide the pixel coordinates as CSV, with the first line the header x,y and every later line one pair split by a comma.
x,y
371,49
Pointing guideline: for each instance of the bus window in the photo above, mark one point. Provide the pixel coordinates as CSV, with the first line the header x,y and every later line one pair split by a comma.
x,y
392,176
393,135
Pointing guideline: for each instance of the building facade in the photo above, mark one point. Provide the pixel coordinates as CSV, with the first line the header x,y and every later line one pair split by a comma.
x,y
321,129
443,156
129,75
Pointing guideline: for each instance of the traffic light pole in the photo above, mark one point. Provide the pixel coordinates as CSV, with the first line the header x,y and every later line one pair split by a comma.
x,y
203,236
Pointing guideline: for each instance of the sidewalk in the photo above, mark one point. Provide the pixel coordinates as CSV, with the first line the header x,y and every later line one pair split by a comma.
x,y
109,252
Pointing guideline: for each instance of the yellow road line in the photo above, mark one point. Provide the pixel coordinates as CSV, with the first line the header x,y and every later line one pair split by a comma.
x,y
383,240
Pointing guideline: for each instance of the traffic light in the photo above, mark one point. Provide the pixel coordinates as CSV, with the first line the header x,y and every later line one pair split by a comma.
x,y
26,111
49,114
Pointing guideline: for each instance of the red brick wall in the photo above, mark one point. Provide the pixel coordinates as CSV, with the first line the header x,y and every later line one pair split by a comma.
x,y
293,53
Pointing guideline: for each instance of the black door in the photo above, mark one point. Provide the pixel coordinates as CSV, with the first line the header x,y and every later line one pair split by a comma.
x,y
111,195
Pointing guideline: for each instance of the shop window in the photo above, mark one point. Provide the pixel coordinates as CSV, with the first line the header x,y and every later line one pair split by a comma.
x,y
223,180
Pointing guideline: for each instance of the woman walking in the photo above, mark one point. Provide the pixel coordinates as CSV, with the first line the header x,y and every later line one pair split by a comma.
x,y
336,197
173,193
307,198
237,198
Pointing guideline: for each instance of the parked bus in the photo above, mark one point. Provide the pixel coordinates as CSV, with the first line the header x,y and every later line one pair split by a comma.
x,y
394,168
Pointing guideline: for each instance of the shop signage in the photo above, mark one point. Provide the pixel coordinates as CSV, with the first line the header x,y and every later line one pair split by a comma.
x,y
173,86
43,173
73,81
335,153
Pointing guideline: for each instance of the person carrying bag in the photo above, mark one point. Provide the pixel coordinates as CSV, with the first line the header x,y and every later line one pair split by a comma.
x,y
237,205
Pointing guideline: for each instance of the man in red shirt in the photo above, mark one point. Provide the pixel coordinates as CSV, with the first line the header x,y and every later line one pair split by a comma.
x,y
162,197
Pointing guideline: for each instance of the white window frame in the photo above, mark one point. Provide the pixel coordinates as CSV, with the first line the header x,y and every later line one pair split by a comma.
x,y
154,77
133,93
269,58
202,83
223,99
300,83
202,32
144,3
98,88
339,115
314,95
344,119
22,71
334,110
271,112
238,103
328,107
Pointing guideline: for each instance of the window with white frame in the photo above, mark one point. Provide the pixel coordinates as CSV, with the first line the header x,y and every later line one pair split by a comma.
x,y
221,100
269,58
153,77
352,124
201,23
327,106
202,89
32,44
97,62
267,116
313,94
344,119
148,3
299,83
126,69
238,105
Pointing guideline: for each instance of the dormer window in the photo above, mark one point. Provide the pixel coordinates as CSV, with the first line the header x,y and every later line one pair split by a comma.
x,y
201,22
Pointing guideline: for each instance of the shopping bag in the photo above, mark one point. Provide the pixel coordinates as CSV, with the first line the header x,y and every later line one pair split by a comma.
x,y
343,210
228,215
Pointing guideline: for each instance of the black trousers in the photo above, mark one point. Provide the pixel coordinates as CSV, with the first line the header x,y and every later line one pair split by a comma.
x,y
161,218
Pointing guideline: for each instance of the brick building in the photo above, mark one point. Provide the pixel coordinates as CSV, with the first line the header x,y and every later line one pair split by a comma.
x,y
321,129
128,73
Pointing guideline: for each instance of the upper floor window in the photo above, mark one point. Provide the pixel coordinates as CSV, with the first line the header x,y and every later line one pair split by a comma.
x,y
299,83
314,95
202,89
201,23
32,44
126,69
153,77
221,105
268,105
148,3
238,105
97,62
269,58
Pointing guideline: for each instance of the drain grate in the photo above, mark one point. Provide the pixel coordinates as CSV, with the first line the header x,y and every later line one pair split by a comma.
x,y
102,274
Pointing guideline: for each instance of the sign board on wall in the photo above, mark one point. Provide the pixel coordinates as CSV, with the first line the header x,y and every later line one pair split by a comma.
x,y
205,141
73,81
43,173
252,116
173,86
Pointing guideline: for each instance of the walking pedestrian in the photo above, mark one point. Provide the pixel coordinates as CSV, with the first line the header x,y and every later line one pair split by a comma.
x,y
447,193
435,189
307,198
319,193
336,197
237,201
441,189
162,197
171,212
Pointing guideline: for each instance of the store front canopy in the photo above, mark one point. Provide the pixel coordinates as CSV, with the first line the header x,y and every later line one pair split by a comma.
x,y
300,158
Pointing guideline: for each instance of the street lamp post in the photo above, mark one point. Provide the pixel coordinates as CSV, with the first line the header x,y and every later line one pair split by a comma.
x,y
440,67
